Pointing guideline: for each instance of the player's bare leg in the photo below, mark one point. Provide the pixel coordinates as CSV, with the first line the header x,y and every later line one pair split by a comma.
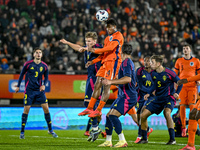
x,y
95,95
144,125
170,125
24,120
48,119
104,98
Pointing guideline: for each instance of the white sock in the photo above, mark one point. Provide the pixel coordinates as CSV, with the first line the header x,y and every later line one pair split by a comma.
x,y
95,128
121,136
108,137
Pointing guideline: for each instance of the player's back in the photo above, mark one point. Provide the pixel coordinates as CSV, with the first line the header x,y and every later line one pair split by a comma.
x,y
116,53
187,68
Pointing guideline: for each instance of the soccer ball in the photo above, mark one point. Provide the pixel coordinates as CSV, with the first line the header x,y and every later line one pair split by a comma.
x,y
102,15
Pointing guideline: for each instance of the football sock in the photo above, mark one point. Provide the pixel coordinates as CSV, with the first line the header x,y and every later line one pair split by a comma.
x,y
183,116
139,131
144,134
148,129
116,123
121,136
108,137
101,105
191,132
108,126
171,133
92,103
24,120
48,120
88,125
94,124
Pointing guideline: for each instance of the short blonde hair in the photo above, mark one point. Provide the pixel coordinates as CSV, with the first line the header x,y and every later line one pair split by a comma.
x,y
92,35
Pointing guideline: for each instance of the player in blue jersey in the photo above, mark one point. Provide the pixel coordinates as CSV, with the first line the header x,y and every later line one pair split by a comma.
x,y
144,83
127,98
91,42
165,98
35,89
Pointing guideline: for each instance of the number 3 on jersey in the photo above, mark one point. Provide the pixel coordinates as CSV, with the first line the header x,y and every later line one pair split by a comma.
x,y
159,83
25,98
36,74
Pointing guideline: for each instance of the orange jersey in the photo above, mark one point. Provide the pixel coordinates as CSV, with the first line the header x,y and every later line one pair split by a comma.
x,y
112,48
187,68
194,78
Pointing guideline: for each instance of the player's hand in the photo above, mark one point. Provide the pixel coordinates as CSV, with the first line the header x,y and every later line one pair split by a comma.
x,y
17,89
182,81
175,95
91,50
42,88
146,97
198,83
82,49
63,41
106,82
88,64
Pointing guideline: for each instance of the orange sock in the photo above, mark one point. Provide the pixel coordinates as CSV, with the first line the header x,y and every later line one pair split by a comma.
x,y
191,107
183,116
191,132
92,103
101,105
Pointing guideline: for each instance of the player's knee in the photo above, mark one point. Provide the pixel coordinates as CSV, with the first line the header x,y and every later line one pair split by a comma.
x,y
143,117
193,114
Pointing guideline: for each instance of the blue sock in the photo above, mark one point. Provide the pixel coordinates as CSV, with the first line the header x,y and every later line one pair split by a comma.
x,y
144,134
108,126
116,123
148,129
88,125
94,122
24,120
139,131
48,120
171,134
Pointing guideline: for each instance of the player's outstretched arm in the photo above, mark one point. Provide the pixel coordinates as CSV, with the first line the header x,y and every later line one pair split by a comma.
x,y
123,80
88,64
182,81
76,47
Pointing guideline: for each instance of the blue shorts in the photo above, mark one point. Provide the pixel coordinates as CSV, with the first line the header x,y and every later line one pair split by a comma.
x,y
159,103
34,97
123,105
95,106
89,87
141,102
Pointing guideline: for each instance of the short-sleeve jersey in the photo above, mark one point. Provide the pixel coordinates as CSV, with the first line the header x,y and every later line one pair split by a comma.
x,y
116,53
89,56
34,72
127,68
187,68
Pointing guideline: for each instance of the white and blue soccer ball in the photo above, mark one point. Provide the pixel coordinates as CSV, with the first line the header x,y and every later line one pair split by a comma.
x,y
102,15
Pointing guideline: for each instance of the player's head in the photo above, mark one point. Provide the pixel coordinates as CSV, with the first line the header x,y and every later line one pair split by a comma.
x,y
156,61
147,62
111,26
127,49
91,38
186,49
37,53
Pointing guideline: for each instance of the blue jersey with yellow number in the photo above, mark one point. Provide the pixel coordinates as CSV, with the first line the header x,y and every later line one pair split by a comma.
x,y
89,56
34,73
144,82
164,82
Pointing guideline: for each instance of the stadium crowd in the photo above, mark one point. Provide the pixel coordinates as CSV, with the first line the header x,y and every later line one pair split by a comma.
x,y
158,27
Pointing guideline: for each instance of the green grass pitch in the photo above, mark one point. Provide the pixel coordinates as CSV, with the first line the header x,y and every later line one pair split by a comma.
x,y
75,140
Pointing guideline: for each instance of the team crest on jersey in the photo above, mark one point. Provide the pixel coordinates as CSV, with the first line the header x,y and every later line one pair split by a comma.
x,y
154,77
191,63
164,77
41,68
32,68
111,38
144,76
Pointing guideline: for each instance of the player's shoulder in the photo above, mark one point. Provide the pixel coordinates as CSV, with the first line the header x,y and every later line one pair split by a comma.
x,y
195,59
28,62
44,64
171,72
98,45
180,59
118,34
139,70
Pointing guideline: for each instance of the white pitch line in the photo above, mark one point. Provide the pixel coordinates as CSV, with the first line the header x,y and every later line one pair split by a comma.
x,y
71,138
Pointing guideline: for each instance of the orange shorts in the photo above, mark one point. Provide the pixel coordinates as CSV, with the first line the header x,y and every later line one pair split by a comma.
x,y
188,95
109,70
132,111
197,105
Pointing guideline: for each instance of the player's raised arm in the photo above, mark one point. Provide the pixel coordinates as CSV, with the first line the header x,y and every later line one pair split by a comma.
x,y
76,47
